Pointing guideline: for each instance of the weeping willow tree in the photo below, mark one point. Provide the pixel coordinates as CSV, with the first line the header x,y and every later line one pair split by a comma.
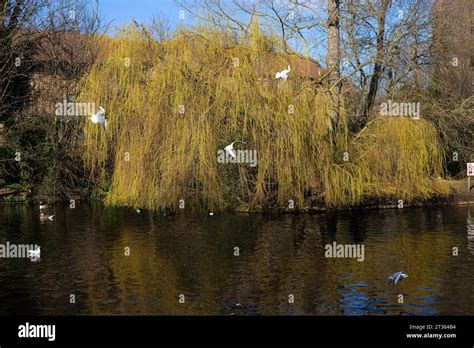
x,y
396,158
172,105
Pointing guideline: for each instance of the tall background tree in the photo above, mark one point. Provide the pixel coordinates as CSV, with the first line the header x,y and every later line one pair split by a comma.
x,y
333,58
45,48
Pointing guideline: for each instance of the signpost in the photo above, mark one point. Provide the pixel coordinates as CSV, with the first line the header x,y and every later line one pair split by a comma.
x,y
470,172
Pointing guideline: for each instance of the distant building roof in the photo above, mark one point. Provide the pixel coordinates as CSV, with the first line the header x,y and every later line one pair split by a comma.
x,y
306,67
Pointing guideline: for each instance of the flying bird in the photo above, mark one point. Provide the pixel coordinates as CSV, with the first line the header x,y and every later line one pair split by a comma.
x,y
398,276
230,148
99,118
283,74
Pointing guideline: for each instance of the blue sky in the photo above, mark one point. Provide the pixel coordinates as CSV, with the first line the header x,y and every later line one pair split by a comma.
x,y
122,12
119,13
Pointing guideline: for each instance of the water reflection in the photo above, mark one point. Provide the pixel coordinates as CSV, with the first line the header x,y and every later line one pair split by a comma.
x,y
470,231
281,268
354,300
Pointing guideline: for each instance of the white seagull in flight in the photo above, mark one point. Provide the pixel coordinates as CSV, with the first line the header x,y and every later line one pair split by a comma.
x,y
396,277
230,148
283,74
99,118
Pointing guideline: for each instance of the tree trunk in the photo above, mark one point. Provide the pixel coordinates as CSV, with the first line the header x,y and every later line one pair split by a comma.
x,y
379,56
333,40
333,58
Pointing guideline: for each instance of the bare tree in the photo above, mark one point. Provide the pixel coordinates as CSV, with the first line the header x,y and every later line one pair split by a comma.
x,y
333,58
17,49
452,46
46,47
385,48
160,27
379,56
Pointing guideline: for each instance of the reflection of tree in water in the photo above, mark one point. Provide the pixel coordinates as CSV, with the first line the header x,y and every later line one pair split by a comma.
x,y
145,276
287,260
299,236
470,232
279,255
357,223
328,227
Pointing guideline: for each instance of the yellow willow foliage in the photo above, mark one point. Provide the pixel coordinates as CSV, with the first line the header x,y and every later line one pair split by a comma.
x,y
411,150
172,105
393,157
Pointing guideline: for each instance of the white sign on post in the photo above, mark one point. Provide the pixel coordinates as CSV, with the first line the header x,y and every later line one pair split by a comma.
x,y
470,169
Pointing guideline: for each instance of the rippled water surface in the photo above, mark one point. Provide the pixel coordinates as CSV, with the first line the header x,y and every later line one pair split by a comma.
x,y
83,253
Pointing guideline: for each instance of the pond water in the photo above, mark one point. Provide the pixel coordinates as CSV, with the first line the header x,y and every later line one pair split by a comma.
x,y
281,258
